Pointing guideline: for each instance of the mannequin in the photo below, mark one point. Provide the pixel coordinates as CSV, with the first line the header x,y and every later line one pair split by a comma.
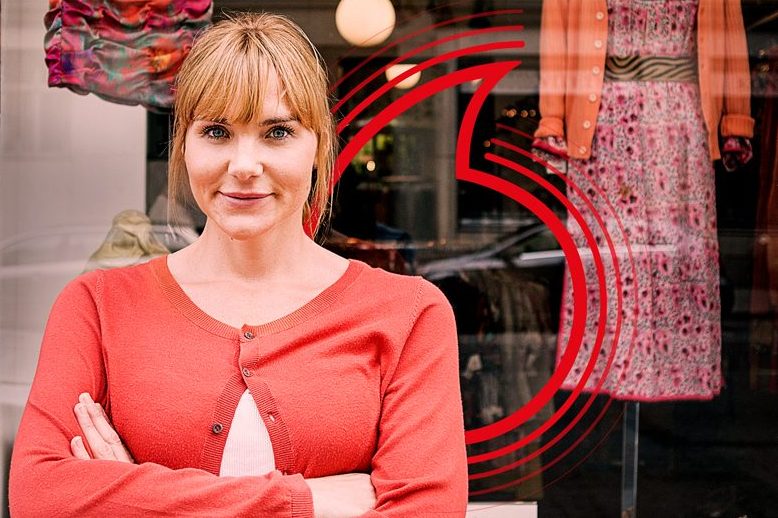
x,y
131,240
637,94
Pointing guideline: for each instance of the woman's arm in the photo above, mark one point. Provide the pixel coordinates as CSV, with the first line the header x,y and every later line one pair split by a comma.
x,y
47,480
420,466
337,496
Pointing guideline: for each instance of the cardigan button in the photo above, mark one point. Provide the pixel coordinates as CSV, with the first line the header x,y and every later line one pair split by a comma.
x,y
582,149
246,372
217,428
248,335
597,44
592,98
600,15
595,70
587,124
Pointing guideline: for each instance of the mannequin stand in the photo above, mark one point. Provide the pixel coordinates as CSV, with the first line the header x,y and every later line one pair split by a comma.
x,y
629,466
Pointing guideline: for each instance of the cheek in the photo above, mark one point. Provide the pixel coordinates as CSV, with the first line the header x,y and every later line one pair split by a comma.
x,y
309,156
199,166
300,162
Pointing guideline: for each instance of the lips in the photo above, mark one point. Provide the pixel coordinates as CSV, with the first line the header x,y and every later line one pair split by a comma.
x,y
246,195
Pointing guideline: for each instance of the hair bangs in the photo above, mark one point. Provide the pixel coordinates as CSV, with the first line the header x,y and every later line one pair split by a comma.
x,y
236,88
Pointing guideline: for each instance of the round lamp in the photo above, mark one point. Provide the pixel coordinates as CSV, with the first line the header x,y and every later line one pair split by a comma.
x,y
365,23
409,82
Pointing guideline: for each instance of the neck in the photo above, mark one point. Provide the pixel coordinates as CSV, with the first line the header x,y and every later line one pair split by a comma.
x,y
274,254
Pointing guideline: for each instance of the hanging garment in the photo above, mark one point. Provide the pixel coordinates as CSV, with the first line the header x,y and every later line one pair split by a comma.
x,y
651,160
126,52
504,364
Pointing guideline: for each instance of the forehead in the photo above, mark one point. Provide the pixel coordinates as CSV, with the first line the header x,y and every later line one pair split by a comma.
x,y
246,99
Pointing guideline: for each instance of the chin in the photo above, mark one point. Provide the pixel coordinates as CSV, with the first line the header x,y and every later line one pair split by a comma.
x,y
249,228
243,233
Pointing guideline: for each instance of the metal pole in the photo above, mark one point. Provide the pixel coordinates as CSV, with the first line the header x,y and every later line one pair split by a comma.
x,y
629,467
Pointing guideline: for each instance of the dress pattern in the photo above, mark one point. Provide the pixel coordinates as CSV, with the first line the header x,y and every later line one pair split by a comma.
x,y
650,161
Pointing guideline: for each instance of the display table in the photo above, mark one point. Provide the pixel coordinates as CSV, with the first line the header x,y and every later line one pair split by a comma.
x,y
502,510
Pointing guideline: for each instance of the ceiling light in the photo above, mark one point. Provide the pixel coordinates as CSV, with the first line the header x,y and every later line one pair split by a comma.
x,y
365,23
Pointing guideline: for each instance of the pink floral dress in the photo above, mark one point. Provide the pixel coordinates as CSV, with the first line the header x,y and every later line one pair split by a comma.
x,y
651,164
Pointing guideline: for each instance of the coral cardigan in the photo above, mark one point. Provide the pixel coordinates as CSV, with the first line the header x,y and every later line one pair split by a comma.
x,y
573,44
363,378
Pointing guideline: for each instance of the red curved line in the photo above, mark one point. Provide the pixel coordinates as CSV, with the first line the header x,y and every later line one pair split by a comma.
x,y
517,131
611,248
555,459
598,341
498,45
590,365
418,33
567,403
463,171
419,50
491,73
523,414
598,217
596,447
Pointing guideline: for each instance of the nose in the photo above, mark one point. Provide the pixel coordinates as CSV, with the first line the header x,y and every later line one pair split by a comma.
x,y
246,158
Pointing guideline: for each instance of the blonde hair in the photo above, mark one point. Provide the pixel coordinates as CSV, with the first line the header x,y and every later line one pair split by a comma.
x,y
225,76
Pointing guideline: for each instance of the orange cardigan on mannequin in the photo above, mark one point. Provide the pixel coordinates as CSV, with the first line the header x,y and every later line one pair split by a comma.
x,y
573,44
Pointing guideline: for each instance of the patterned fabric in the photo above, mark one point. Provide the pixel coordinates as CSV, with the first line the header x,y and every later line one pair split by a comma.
x,y
125,52
652,163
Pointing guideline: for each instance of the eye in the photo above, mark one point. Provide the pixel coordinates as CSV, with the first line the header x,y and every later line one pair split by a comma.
x,y
280,132
215,132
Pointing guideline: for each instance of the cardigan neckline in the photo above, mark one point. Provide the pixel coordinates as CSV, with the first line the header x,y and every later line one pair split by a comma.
x,y
181,301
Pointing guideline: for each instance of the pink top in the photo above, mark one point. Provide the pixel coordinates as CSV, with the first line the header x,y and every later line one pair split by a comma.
x,y
363,378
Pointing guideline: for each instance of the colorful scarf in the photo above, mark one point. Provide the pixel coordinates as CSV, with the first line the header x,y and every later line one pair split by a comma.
x,y
125,51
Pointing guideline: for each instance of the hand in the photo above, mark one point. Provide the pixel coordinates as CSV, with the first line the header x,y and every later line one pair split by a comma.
x,y
342,496
553,151
101,438
554,146
735,152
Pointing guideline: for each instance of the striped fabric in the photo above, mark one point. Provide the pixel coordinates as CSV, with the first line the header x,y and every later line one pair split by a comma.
x,y
650,68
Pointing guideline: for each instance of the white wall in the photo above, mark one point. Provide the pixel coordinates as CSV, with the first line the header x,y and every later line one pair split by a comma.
x,y
65,160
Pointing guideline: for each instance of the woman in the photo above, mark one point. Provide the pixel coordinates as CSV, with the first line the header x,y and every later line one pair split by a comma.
x,y
314,385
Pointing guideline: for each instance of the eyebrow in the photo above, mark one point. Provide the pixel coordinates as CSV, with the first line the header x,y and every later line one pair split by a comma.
x,y
278,120
266,122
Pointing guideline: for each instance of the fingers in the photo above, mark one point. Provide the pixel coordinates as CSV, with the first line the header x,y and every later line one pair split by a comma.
x,y
100,436
78,449
98,447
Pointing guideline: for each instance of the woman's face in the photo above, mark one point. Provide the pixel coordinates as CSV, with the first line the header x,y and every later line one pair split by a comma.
x,y
251,177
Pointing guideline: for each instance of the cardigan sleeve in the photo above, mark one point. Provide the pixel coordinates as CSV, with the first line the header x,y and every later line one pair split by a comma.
x,y
420,465
736,121
47,480
553,66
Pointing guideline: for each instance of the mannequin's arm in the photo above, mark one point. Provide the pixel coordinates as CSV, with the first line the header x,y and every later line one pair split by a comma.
x,y
553,66
735,152
737,121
